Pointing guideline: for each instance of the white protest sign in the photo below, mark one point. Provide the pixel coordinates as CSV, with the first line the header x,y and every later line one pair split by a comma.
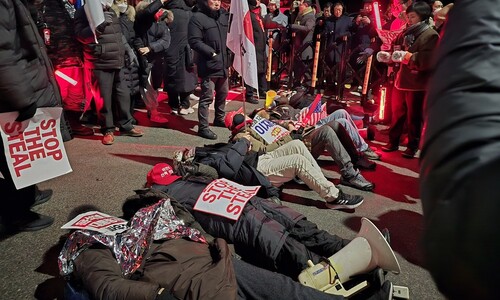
x,y
225,198
97,221
37,153
268,130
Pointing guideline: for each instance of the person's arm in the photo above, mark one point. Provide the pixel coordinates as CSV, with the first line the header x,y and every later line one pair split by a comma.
x,y
308,26
422,60
14,92
101,276
162,43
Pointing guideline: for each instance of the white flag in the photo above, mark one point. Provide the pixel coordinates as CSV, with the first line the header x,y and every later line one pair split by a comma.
x,y
240,41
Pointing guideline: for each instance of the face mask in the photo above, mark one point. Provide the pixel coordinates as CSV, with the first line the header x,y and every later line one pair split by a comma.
x,y
122,7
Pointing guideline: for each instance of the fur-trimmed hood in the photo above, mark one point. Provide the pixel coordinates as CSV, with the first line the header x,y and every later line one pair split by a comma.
x,y
130,12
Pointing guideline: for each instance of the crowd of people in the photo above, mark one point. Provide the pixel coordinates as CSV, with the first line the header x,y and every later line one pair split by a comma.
x,y
175,46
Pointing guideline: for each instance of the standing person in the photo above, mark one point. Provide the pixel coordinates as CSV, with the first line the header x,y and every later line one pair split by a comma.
x,y
26,83
105,60
151,25
207,34
303,25
179,77
416,45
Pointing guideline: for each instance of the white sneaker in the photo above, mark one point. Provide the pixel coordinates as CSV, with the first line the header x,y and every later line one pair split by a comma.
x,y
194,97
174,112
190,110
183,111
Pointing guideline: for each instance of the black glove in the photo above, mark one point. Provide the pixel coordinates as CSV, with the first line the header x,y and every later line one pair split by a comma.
x,y
27,112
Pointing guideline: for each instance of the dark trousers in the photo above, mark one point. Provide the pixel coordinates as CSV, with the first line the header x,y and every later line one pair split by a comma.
x,y
178,100
407,107
14,203
257,283
261,77
208,86
306,242
111,94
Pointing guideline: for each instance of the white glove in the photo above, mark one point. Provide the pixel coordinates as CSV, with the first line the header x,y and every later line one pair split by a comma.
x,y
384,57
398,56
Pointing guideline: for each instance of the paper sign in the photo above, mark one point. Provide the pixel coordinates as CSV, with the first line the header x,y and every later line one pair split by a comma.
x,y
97,221
268,130
37,153
225,198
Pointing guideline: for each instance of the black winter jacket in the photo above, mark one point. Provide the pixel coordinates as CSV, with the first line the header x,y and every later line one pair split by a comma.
x,y
179,72
259,233
109,52
207,33
234,163
26,73
131,73
460,156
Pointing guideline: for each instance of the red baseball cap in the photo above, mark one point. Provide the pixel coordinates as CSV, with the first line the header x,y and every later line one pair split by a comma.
x,y
161,174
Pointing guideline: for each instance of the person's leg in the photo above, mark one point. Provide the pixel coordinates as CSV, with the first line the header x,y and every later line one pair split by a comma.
x,y
206,98
173,99
317,240
184,100
121,97
326,138
280,169
398,108
257,283
102,88
15,204
221,92
414,102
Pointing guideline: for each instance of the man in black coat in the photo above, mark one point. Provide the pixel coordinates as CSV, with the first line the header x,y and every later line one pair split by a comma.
x,y
105,59
26,83
207,34
460,159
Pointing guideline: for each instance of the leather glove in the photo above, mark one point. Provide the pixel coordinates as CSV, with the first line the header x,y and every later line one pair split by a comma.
x,y
384,57
401,56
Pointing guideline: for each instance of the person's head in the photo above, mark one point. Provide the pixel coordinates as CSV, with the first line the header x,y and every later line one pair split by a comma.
x,y
418,12
235,120
338,9
436,5
273,6
368,6
327,10
304,4
252,3
213,4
